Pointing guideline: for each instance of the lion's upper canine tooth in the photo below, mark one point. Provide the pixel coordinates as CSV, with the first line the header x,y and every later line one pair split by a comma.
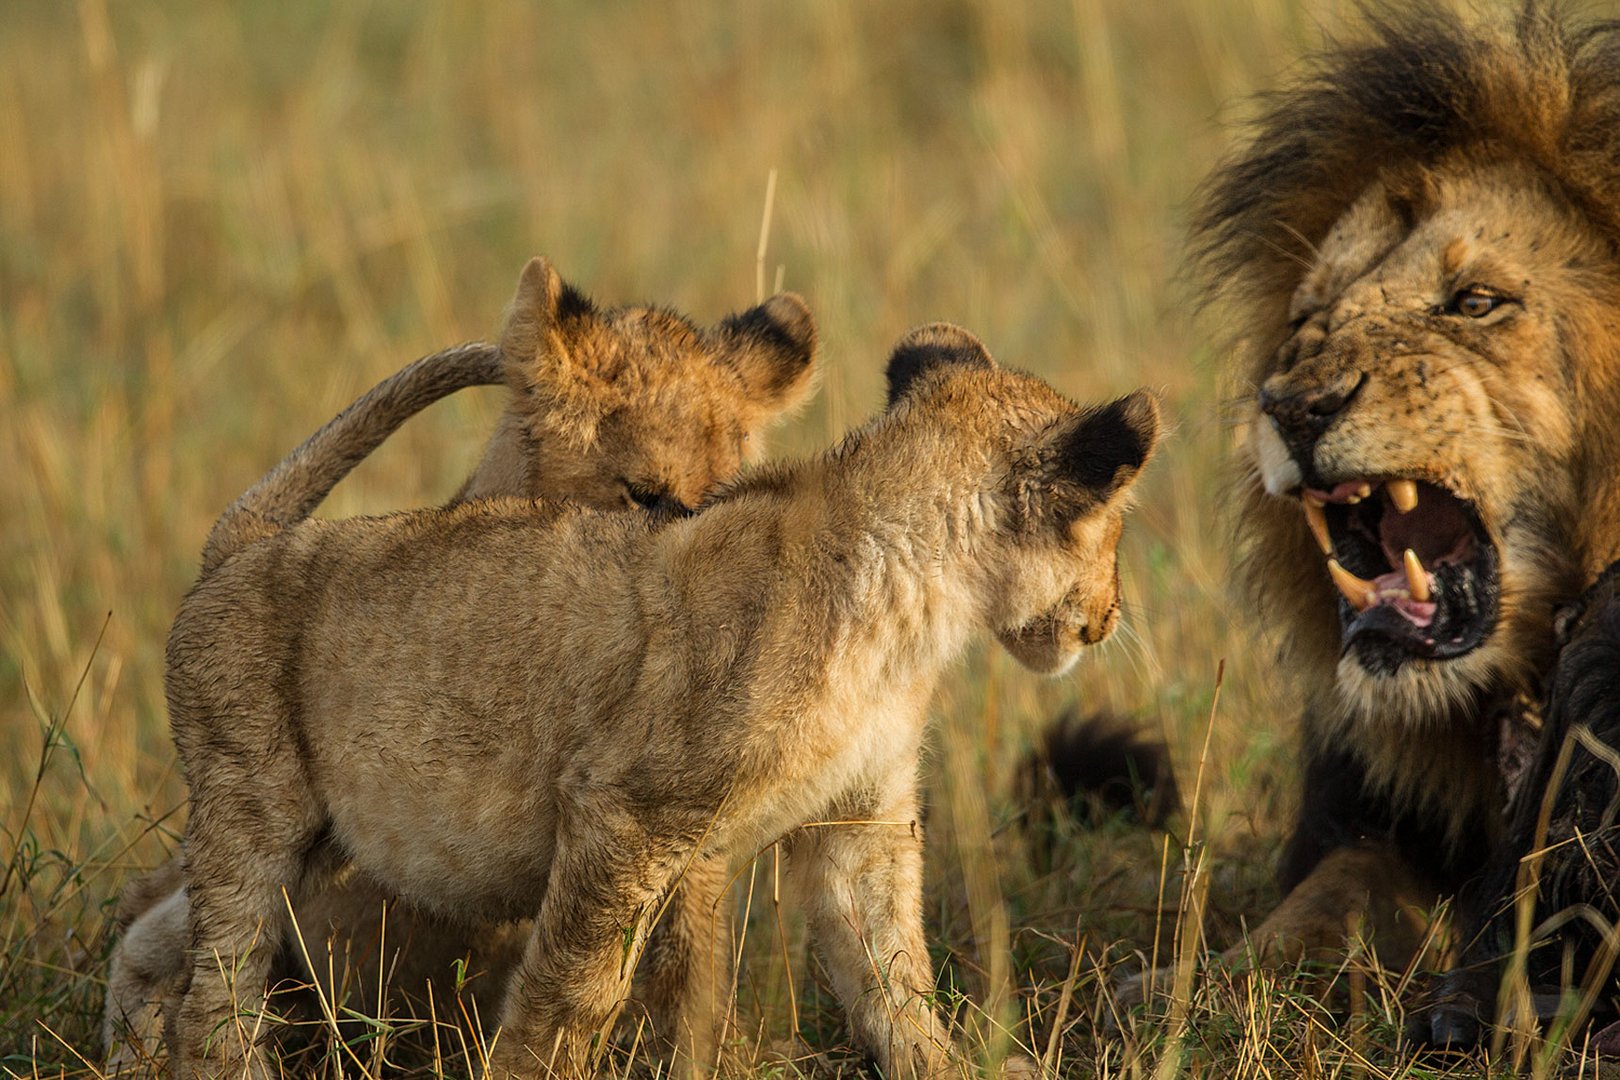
x,y
1317,520
1361,594
1417,579
1404,494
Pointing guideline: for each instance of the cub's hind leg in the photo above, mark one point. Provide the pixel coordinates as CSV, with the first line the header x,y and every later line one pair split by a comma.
x,y
238,919
253,824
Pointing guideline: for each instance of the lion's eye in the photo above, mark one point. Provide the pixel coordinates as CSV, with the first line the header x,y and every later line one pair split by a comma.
x,y
1475,302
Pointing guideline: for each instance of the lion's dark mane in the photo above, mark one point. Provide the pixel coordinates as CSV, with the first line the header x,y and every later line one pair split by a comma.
x,y
1420,87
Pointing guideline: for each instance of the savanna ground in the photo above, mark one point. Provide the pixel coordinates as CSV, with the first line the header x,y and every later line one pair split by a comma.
x,y
221,221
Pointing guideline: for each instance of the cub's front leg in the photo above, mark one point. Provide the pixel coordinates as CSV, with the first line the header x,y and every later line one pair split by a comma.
x,y
607,876
861,886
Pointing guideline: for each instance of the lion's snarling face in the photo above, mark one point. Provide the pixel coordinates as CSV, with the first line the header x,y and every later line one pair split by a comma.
x,y
1422,415
1417,249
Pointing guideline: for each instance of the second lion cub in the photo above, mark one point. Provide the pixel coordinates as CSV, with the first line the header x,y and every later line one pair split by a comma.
x,y
508,710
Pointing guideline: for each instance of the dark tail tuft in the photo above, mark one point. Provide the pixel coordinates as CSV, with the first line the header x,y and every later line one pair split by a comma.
x,y
1104,765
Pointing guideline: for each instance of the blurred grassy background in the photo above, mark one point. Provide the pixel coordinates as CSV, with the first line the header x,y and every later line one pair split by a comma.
x,y
219,222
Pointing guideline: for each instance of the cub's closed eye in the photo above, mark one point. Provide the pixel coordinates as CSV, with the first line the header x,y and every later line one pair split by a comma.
x,y
645,498
1475,302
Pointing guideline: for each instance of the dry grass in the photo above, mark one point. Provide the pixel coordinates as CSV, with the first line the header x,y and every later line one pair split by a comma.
x,y
219,222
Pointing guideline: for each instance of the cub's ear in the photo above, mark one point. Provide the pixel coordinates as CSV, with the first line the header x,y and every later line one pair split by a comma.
x,y
773,348
929,347
1104,448
533,310
542,302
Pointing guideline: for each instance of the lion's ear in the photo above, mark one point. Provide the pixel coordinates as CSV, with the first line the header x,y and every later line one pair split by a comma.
x,y
1103,449
928,348
773,348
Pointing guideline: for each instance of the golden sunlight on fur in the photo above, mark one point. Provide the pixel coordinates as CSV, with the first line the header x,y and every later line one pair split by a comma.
x,y
610,408
509,709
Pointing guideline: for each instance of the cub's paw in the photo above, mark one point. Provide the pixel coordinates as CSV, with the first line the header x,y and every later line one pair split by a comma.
x,y
1019,1067
1130,992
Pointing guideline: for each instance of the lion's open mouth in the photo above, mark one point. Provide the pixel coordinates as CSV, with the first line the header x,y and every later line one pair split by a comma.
x,y
1415,566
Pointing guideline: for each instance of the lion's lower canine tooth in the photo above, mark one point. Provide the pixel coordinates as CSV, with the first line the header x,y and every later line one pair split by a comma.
x,y
1404,494
1360,593
1317,520
1417,579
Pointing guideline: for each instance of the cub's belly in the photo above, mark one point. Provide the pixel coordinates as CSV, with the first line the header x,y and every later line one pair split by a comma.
x,y
462,846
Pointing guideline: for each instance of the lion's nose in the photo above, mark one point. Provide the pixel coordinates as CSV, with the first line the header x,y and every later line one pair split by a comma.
x,y
1302,414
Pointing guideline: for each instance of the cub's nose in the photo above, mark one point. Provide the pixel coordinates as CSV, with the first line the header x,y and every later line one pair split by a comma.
x,y
1303,413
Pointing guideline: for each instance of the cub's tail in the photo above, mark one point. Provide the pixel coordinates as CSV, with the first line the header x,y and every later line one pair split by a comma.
x,y
1103,765
288,493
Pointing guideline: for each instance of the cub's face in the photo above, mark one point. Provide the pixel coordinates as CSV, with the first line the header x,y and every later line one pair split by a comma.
x,y
1062,479
1419,413
1069,492
1087,613
637,407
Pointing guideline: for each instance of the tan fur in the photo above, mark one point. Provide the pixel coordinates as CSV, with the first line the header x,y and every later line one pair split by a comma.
x,y
611,404
1363,890
510,710
1435,155
603,403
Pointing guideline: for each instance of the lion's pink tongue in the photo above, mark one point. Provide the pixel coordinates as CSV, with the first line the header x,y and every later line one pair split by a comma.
x,y
1394,589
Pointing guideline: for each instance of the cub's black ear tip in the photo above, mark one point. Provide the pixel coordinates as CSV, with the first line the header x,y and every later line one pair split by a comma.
x,y
539,285
944,336
927,347
1138,414
784,323
789,311
542,290
1113,437
1140,408
792,323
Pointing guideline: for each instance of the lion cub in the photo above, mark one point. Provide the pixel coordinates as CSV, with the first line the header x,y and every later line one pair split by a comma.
x,y
624,407
511,710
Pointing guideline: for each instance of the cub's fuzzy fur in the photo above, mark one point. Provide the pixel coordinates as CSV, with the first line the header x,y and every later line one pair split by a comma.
x,y
509,709
1416,247
620,407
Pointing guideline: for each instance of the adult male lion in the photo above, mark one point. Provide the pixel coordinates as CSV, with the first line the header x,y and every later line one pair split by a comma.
x,y
1416,248
1561,854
